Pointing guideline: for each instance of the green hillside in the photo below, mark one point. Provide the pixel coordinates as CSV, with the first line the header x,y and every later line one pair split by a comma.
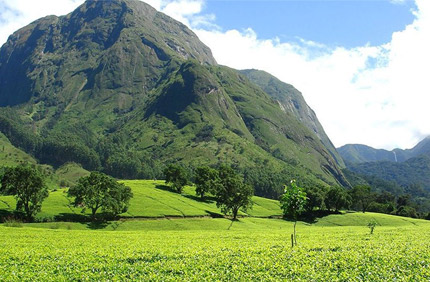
x,y
152,199
12,156
155,207
117,86
292,102
64,176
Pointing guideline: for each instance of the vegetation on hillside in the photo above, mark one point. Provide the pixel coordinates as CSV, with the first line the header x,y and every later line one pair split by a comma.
x,y
142,92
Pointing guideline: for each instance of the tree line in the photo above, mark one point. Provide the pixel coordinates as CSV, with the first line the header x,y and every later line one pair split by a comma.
x,y
228,188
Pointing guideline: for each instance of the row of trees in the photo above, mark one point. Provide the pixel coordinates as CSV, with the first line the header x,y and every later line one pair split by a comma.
x,y
228,188
223,183
96,192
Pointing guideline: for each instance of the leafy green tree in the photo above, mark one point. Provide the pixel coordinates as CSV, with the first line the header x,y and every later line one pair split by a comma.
x,y
206,180
337,198
293,203
177,176
362,197
28,187
232,194
99,190
316,196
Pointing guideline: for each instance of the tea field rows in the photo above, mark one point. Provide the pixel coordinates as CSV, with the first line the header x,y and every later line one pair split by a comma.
x,y
247,251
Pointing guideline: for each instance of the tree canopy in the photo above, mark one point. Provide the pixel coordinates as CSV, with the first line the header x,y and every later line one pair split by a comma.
x,y
99,190
233,194
28,187
206,180
177,176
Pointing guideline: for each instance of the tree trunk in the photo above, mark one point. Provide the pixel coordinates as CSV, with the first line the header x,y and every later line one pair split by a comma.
x,y
27,212
93,212
235,211
295,240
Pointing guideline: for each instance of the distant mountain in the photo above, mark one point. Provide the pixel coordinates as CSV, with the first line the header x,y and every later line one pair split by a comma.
x,y
405,168
355,153
414,171
119,87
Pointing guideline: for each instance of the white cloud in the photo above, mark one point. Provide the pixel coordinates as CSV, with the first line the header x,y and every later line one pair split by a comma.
x,y
376,95
15,14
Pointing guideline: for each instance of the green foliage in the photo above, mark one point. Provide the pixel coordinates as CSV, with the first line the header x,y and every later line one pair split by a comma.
x,y
177,176
233,194
372,224
316,196
362,197
293,201
266,180
101,191
293,204
415,170
207,181
28,187
337,198
252,250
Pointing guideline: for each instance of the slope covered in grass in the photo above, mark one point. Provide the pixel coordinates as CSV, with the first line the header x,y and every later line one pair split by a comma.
x,y
151,199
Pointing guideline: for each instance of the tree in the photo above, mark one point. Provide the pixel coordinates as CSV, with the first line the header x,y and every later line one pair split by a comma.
x,y
337,198
99,190
316,195
176,176
293,203
206,180
362,196
232,194
28,187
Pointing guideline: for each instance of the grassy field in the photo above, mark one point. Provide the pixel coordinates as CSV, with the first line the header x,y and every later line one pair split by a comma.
x,y
166,236
217,249
151,199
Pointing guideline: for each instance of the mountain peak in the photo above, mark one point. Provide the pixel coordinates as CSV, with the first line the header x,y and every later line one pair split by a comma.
x,y
102,45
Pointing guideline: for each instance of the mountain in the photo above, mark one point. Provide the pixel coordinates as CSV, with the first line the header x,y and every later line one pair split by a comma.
x,y
356,153
405,168
292,102
119,87
414,171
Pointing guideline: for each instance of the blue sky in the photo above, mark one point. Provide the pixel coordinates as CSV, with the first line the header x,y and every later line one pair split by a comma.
x,y
361,65
345,23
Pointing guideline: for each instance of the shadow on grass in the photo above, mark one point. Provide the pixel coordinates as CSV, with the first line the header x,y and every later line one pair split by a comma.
x,y
207,200
166,188
214,214
313,217
72,217
98,224
6,215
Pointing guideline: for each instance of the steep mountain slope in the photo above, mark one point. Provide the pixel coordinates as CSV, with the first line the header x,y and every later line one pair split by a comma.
x,y
120,87
292,102
356,153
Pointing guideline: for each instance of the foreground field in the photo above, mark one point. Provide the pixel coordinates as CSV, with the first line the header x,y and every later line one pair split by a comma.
x,y
166,236
252,249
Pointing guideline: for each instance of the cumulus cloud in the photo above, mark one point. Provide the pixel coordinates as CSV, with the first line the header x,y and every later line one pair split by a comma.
x,y
375,95
15,14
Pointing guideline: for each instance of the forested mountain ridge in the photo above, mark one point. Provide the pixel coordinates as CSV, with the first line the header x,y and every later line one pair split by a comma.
x,y
119,87
357,153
